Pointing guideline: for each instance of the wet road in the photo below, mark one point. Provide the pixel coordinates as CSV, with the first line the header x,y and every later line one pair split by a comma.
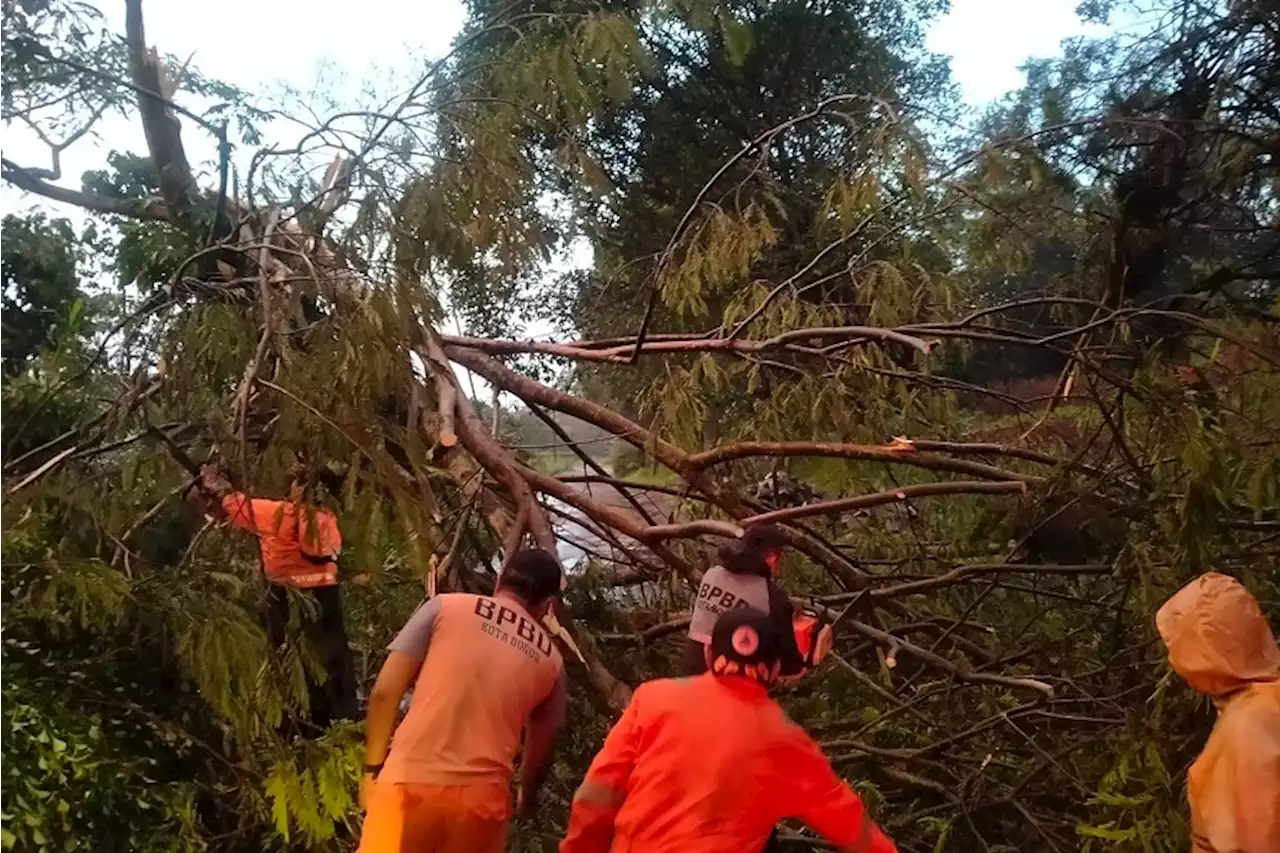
x,y
577,540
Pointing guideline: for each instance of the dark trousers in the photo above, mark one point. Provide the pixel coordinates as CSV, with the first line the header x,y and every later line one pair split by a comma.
x,y
694,660
320,618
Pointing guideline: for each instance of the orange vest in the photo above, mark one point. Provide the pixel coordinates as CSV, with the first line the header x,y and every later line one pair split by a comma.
x,y
299,544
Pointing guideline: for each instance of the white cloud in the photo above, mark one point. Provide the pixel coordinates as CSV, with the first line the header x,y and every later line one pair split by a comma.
x,y
988,39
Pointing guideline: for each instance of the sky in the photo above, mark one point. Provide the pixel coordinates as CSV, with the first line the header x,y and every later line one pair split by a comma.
x,y
260,44
264,45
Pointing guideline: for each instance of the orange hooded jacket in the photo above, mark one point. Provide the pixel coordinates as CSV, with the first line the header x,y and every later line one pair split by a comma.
x,y
1221,645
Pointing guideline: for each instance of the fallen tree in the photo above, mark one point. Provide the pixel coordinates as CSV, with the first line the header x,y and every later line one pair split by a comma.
x,y
995,654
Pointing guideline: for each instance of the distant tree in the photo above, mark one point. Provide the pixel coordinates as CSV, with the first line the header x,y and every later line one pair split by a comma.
x,y
41,285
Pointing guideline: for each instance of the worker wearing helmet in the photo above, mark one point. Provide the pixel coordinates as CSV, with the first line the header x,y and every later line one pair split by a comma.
x,y
710,764
1220,644
746,578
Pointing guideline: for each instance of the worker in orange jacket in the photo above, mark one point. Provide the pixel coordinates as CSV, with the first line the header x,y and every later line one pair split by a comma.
x,y
299,543
709,764
1221,645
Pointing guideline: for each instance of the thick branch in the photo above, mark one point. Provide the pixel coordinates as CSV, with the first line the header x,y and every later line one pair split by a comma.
x,y
446,404
153,209
889,453
486,450
637,436
920,490
691,529
161,126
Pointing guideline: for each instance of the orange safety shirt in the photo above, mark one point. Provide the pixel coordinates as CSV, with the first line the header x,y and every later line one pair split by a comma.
x,y
709,765
299,544
488,666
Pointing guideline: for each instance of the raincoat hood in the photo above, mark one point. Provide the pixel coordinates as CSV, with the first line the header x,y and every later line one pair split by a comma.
x,y
1217,638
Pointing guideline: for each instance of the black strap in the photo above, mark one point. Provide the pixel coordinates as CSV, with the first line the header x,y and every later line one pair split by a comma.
x,y
314,560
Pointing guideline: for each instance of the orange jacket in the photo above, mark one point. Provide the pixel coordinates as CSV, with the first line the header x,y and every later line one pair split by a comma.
x,y
1221,645
709,765
300,544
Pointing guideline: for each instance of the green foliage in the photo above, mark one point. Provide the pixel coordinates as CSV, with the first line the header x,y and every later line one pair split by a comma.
x,y
311,789
148,254
42,297
86,779
140,690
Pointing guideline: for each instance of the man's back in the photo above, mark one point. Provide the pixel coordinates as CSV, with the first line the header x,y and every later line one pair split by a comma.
x,y
710,764
299,544
723,590
1234,786
488,665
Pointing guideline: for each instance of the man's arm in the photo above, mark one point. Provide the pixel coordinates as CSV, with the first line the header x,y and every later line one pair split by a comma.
x,y
782,614
219,498
394,678
602,792
540,738
408,650
254,515
822,800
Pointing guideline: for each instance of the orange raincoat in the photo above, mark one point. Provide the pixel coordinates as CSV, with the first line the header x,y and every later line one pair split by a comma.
x,y
1221,645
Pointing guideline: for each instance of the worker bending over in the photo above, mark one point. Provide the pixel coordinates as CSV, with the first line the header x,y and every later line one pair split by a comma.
x,y
483,668
1221,645
299,543
745,577
709,764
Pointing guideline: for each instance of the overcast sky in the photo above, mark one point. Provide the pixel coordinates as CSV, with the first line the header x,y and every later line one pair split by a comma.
x,y
260,44
263,45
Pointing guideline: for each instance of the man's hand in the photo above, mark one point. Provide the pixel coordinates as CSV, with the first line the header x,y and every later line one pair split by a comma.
x,y
212,482
526,801
367,781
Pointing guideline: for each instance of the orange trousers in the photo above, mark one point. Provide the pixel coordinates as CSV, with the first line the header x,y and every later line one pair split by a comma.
x,y
417,818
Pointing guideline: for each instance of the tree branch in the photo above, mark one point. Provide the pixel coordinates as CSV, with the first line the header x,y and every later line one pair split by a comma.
x,y
920,490
889,640
665,452
159,123
486,450
622,353
609,516
906,455
151,209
